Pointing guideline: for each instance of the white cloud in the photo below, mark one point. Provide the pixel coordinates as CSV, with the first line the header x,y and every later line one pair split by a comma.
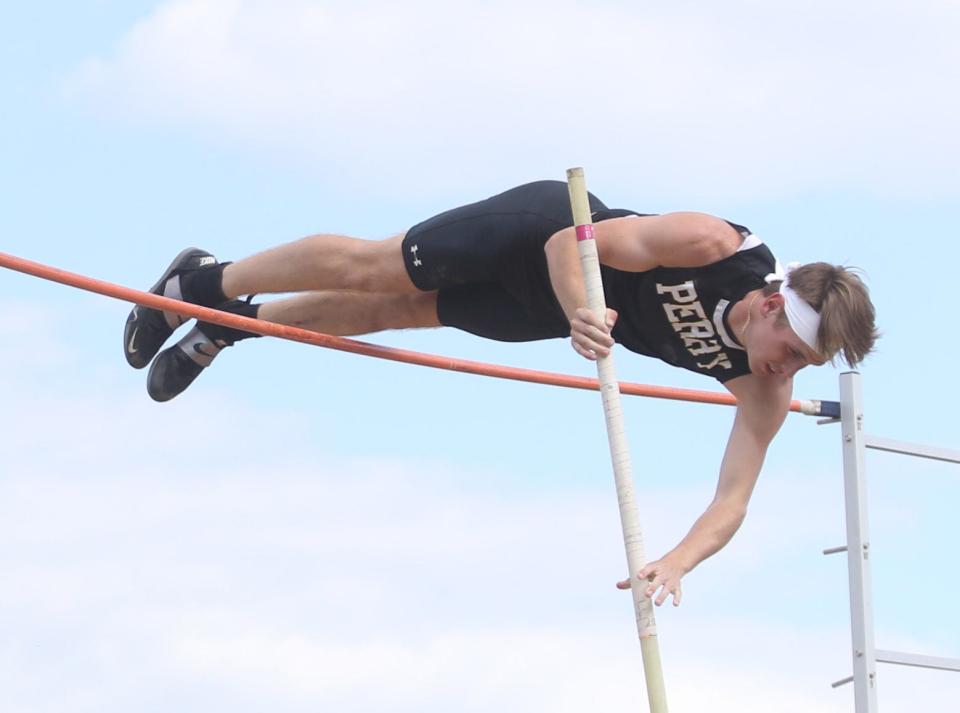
x,y
741,99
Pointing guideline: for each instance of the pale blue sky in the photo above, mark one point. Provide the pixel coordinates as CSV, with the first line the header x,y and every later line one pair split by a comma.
x,y
307,528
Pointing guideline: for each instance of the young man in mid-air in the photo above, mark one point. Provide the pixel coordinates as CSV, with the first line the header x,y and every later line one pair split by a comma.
x,y
690,289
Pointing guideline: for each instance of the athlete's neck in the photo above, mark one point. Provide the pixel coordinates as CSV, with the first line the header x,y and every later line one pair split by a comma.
x,y
740,316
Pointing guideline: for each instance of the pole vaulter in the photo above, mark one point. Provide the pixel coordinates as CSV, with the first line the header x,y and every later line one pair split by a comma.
x,y
696,291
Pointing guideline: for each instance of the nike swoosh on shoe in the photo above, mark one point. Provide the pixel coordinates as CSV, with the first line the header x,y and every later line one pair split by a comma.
x,y
140,348
199,350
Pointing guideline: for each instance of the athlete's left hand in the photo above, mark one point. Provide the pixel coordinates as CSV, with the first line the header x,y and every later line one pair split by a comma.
x,y
665,575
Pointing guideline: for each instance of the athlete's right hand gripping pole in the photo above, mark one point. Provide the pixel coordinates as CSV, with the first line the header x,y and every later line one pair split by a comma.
x,y
619,450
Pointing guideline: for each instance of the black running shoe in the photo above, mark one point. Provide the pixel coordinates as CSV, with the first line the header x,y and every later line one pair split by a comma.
x,y
175,368
147,329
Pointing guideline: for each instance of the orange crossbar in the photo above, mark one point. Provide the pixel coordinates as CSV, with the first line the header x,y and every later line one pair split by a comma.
x,y
357,347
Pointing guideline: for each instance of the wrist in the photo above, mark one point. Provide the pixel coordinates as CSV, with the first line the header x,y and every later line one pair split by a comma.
x,y
683,558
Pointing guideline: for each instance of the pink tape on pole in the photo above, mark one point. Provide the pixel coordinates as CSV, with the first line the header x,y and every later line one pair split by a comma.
x,y
584,232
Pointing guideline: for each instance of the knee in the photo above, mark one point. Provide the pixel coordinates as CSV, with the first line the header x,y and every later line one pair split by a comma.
x,y
377,264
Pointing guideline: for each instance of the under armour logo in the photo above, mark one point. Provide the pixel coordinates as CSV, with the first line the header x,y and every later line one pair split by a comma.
x,y
417,262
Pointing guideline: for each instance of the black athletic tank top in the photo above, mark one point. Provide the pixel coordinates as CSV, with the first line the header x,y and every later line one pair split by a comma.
x,y
681,314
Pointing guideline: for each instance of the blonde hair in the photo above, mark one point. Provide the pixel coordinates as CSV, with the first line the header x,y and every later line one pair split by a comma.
x,y
846,314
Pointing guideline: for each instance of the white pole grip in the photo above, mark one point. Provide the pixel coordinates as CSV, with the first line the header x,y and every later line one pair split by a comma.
x,y
619,449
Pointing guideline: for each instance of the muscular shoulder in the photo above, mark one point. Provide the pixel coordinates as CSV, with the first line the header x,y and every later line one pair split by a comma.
x,y
684,239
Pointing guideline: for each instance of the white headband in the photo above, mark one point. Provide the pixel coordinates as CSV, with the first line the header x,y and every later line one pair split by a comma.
x,y
803,318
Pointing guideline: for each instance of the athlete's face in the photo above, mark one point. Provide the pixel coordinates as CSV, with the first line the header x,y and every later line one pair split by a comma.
x,y
773,349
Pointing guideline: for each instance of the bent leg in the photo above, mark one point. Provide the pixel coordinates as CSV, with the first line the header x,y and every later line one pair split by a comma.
x,y
346,313
321,262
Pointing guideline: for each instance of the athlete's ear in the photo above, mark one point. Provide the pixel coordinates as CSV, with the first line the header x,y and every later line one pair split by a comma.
x,y
772,304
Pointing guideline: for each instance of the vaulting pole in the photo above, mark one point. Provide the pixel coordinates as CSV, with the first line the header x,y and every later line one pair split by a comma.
x,y
619,449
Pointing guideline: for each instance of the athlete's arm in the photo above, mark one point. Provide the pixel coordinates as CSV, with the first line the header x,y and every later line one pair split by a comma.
x,y
634,244
762,405
589,336
640,243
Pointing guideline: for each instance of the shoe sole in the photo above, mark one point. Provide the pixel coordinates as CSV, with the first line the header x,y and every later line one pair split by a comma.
x,y
131,325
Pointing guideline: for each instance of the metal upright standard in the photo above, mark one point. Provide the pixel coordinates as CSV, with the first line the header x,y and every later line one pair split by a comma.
x,y
619,450
855,442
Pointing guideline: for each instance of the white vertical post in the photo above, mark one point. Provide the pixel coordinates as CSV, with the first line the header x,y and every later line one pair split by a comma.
x,y
619,450
858,544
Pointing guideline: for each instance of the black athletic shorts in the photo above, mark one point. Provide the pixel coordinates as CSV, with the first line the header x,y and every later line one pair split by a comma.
x,y
487,262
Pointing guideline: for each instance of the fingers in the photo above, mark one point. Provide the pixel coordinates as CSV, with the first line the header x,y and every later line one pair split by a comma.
x,y
664,581
597,328
585,352
666,585
590,336
667,589
656,584
611,318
